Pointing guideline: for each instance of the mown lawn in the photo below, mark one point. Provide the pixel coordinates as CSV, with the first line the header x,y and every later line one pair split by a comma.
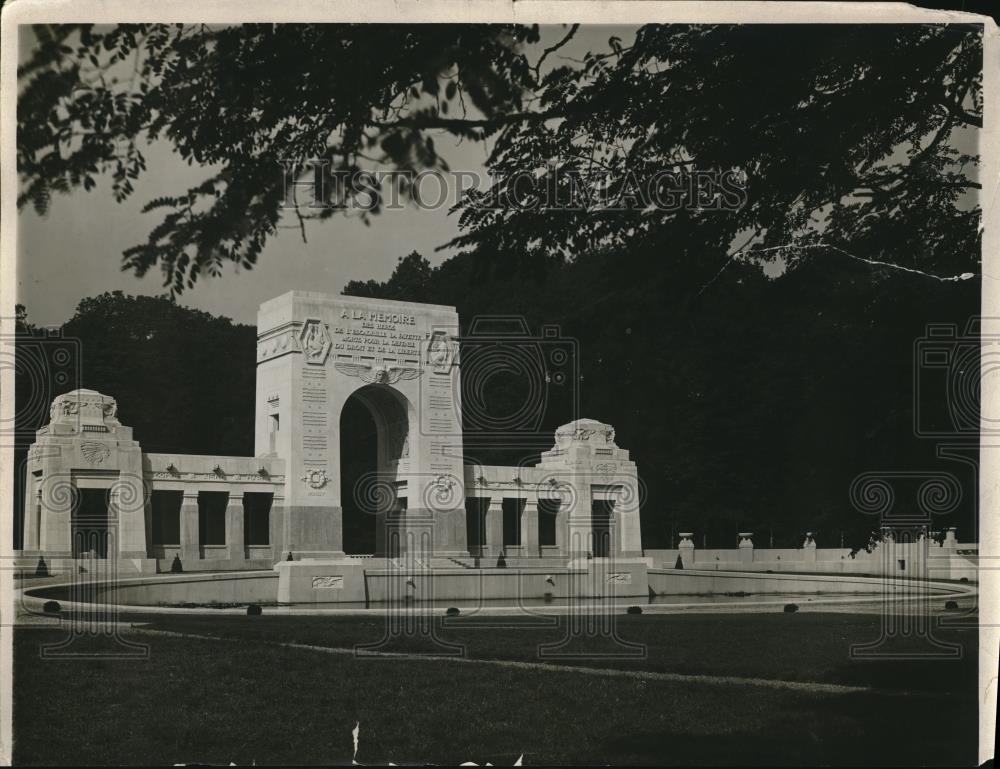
x,y
246,700
796,647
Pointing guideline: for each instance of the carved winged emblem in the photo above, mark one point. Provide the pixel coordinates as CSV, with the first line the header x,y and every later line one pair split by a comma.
x,y
377,374
95,452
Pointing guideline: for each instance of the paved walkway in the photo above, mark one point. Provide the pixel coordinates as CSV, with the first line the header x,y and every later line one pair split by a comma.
x,y
769,683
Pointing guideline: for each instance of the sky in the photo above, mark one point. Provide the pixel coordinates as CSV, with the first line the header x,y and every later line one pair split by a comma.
x,y
75,250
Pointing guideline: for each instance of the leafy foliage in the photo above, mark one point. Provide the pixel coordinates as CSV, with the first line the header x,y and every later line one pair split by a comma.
x,y
844,133
242,100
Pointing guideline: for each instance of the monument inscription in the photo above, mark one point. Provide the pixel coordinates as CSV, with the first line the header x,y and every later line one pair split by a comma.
x,y
378,334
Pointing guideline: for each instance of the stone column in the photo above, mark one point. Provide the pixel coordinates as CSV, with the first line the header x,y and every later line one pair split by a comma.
x,y
494,527
529,527
746,546
190,550
32,514
627,517
686,548
127,516
579,522
561,528
234,527
55,534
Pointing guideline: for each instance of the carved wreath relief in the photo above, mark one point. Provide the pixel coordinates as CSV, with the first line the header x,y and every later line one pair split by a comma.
x,y
443,482
316,479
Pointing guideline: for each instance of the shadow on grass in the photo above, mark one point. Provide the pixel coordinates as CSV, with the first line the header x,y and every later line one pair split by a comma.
x,y
848,730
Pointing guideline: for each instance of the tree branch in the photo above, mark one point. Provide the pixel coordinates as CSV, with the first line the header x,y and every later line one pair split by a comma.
x,y
554,48
954,106
962,115
451,124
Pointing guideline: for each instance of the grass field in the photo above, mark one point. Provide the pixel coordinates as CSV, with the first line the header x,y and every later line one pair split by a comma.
x,y
246,698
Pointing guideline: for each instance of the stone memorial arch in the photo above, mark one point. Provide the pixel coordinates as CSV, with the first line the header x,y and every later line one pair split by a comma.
x,y
317,352
358,409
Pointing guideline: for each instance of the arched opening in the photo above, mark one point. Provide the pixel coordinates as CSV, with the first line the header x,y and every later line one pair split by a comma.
x,y
374,443
358,452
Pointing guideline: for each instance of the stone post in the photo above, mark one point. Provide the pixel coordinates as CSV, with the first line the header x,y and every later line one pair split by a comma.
x,y
190,546
529,527
809,549
950,540
494,527
746,547
234,527
686,549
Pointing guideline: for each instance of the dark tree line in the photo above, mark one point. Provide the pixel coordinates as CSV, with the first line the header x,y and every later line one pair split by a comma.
x,y
750,405
184,379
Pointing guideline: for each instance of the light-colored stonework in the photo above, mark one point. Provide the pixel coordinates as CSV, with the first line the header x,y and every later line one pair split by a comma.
x,y
86,448
400,359
315,352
